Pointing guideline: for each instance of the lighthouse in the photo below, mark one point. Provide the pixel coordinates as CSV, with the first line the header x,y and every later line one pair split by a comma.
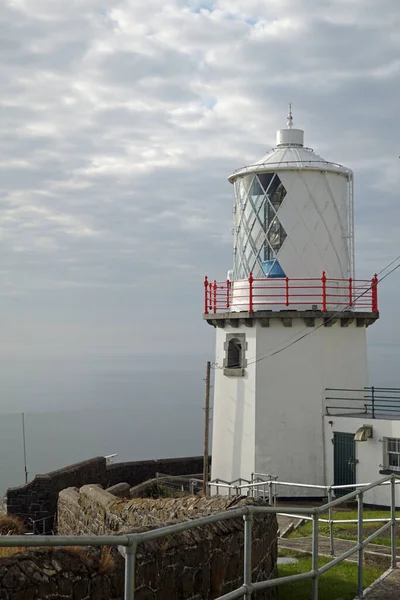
x,y
290,318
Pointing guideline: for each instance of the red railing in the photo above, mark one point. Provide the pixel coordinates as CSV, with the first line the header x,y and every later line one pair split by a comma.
x,y
257,294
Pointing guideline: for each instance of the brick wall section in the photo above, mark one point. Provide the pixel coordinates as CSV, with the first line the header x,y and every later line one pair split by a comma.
x,y
200,564
38,498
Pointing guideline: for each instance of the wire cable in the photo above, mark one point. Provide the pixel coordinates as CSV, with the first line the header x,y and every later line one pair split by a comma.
x,y
334,316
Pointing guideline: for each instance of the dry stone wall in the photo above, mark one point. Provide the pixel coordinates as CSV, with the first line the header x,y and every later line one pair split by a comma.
x,y
203,563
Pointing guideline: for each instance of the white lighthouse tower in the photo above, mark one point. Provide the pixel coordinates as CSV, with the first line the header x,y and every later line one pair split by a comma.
x,y
290,319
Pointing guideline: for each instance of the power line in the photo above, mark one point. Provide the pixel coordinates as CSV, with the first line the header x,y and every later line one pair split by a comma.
x,y
298,339
327,320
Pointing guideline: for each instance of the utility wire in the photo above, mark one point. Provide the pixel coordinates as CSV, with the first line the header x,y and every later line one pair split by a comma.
x,y
325,321
279,350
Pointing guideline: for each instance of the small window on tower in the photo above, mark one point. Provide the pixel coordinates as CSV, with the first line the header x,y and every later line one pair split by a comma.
x,y
235,348
234,354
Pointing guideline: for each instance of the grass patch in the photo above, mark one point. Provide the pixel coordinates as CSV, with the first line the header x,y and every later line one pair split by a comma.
x,y
348,531
339,583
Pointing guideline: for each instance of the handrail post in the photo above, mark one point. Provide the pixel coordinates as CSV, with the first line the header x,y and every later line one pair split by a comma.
x,y
314,595
130,565
251,280
323,280
270,493
215,295
360,533
350,292
206,295
393,520
248,518
287,291
374,290
330,511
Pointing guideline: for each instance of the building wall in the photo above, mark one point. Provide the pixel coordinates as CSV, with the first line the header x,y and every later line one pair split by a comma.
x,y
369,454
233,438
202,563
270,420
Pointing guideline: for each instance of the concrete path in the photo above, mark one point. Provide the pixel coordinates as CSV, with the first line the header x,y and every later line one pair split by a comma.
x,y
287,524
387,589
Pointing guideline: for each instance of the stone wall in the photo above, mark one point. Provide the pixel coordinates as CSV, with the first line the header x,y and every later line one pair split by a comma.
x,y
200,564
38,499
59,573
137,472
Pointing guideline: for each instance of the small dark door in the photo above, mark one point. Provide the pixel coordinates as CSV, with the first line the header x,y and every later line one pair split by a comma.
x,y
344,461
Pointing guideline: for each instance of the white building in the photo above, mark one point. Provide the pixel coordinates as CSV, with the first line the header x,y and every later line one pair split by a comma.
x,y
290,319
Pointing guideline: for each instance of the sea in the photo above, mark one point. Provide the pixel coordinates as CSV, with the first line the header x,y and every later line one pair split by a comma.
x,y
74,409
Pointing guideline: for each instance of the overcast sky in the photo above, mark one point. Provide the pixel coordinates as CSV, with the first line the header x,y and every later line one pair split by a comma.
x,y
120,123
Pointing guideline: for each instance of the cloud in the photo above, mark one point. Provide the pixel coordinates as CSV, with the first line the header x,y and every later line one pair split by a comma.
x,y
121,121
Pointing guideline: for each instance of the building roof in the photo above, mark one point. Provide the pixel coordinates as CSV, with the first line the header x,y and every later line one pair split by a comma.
x,y
290,153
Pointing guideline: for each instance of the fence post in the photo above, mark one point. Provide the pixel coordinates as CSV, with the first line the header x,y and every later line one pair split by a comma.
x,y
287,291
206,295
251,280
323,280
360,577
374,290
393,520
215,295
314,595
130,565
270,493
331,538
248,518
350,292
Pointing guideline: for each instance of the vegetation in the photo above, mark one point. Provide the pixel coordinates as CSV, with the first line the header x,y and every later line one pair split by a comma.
x,y
348,531
340,582
10,525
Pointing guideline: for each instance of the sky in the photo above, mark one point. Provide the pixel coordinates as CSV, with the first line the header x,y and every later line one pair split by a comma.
x,y
121,120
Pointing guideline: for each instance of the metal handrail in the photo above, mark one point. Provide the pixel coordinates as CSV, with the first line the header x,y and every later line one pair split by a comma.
x,y
272,483
323,293
128,543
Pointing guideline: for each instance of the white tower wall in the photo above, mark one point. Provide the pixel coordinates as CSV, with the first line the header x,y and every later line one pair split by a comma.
x,y
270,420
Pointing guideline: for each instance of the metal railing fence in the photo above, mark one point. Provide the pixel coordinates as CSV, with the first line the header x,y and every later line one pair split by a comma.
x,y
323,293
265,486
381,400
129,543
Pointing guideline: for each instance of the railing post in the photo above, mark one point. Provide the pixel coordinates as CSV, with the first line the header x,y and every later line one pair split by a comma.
x,y
350,292
251,280
287,291
215,295
393,521
270,493
130,565
374,290
314,595
206,295
331,538
323,280
247,553
360,533
228,293
210,290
